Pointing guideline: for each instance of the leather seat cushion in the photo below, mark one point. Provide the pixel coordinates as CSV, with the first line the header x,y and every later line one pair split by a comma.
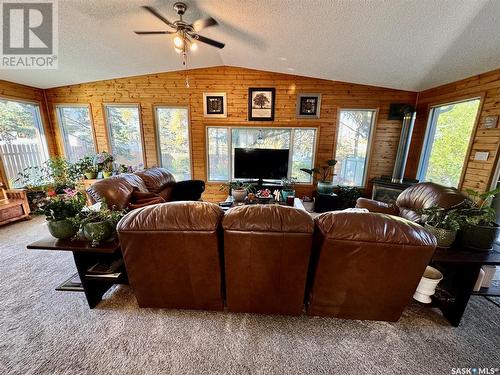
x,y
156,179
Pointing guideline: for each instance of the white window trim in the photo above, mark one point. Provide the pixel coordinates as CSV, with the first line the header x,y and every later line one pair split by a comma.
x,y
430,131
60,123
230,144
108,127
157,133
371,137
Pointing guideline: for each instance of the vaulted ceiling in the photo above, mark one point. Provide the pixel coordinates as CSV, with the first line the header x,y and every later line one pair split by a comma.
x,y
403,44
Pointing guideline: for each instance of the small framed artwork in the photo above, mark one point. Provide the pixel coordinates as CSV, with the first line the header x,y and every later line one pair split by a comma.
x,y
214,104
308,105
261,104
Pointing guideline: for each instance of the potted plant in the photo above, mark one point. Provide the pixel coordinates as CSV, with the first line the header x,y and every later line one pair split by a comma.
x,y
347,196
102,160
442,223
59,210
98,223
238,189
325,186
85,167
108,170
288,187
478,227
35,181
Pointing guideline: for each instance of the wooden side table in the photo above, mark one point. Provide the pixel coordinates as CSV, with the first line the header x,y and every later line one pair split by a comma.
x,y
86,256
462,267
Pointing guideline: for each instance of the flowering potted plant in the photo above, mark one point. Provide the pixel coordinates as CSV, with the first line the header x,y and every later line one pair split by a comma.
x,y
104,161
108,170
59,209
98,223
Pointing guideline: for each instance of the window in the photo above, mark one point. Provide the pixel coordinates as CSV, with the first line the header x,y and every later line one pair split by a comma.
x,y
300,141
22,139
76,131
125,134
446,142
353,140
218,155
173,137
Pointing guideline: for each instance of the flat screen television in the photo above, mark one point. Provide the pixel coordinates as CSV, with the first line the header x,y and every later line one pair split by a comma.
x,y
261,163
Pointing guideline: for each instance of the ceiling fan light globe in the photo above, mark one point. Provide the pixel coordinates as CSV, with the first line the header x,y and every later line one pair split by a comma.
x,y
178,42
193,47
178,50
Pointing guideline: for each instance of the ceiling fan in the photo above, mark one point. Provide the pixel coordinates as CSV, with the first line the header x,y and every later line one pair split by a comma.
x,y
186,34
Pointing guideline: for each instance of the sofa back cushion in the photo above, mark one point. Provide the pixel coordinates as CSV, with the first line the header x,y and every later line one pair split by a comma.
x,y
156,179
172,252
266,254
425,195
366,265
116,190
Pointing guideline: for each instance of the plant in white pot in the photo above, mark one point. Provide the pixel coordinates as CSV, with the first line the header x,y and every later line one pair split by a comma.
x,y
325,172
238,189
478,228
442,223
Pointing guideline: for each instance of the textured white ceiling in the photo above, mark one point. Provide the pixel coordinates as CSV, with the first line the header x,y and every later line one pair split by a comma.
x,y
404,44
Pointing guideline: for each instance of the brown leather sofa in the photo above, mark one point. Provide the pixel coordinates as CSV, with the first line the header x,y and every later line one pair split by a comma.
x,y
266,253
151,186
366,265
415,198
172,254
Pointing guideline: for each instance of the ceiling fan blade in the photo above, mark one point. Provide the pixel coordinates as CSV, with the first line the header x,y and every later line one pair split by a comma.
x,y
208,41
155,13
203,23
153,32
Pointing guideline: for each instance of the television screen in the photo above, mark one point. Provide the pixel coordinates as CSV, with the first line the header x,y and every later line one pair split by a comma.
x,y
260,163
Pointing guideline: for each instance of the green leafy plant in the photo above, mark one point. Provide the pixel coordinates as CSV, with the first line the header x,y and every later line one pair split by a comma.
x,y
438,217
103,159
288,183
57,207
237,185
477,209
324,171
348,195
102,214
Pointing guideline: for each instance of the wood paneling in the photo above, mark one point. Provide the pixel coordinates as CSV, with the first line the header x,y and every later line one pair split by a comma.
x,y
478,174
9,90
169,89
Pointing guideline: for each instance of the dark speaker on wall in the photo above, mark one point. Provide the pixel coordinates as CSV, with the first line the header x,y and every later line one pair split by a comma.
x,y
397,110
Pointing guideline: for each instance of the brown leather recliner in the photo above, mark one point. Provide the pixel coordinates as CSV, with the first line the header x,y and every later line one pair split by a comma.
x,y
415,198
266,252
366,265
151,186
172,253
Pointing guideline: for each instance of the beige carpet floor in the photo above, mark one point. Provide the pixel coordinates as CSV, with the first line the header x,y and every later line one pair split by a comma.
x,y
43,331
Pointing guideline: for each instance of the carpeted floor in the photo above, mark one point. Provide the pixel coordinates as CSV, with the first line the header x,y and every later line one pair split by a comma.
x,y
47,332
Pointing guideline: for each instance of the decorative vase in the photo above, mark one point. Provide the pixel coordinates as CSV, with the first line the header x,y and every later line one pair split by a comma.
x,y
427,286
287,193
478,237
90,175
239,194
445,237
107,174
98,232
325,187
62,229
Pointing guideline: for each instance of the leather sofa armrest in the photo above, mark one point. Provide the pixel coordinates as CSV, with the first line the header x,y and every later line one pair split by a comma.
x,y
376,206
189,190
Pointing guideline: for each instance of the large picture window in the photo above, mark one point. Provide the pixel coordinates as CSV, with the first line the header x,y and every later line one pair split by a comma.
x,y
124,130
173,138
353,141
22,139
76,131
221,142
446,142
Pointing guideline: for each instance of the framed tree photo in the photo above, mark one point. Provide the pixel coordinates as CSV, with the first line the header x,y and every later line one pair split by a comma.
x,y
214,104
261,104
308,105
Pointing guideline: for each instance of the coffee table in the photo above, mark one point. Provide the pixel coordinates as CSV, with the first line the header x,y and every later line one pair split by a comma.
x,y
297,203
85,256
462,267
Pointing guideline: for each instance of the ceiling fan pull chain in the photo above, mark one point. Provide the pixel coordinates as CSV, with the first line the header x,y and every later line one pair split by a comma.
x,y
185,63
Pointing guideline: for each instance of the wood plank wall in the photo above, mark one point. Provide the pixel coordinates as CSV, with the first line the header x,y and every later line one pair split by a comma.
x,y
169,89
9,90
478,175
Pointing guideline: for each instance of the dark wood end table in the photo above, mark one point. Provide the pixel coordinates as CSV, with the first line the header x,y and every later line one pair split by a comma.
x,y
86,256
463,266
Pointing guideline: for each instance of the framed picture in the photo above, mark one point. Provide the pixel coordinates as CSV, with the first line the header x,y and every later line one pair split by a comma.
x,y
261,104
308,105
214,104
